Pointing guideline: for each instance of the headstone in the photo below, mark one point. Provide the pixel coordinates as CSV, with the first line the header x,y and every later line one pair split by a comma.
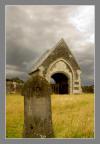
x,y
37,108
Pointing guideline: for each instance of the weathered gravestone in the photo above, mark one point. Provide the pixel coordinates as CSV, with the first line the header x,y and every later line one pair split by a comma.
x,y
37,108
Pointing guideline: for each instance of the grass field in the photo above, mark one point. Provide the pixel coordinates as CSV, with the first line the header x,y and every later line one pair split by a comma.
x,y
73,115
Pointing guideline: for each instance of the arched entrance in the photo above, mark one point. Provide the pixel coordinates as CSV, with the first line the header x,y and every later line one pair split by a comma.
x,y
60,83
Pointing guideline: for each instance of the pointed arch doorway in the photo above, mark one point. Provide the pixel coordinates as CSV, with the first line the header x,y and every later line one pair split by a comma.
x,y
60,83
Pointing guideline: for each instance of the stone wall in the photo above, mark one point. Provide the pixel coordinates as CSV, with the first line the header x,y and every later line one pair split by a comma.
x,y
13,87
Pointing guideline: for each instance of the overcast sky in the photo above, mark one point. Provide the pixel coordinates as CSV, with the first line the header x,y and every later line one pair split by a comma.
x,y
31,30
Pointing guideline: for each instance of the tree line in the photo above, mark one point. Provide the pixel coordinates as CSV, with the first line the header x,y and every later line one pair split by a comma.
x,y
88,89
85,89
16,79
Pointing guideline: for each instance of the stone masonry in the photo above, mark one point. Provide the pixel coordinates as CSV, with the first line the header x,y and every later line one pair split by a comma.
x,y
59,60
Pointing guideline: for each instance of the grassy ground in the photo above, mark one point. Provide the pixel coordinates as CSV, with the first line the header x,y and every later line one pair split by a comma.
x,y
73,115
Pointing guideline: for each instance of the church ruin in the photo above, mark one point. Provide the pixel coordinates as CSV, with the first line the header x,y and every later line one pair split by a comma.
x,y
60,65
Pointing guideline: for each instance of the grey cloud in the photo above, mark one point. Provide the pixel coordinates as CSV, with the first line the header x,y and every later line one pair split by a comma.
x,y
31,30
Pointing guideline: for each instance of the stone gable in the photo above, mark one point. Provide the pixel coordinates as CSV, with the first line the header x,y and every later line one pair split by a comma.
x,y
61,51
60,60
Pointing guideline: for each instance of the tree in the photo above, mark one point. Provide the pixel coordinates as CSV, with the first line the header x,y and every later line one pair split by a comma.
x,y
16,79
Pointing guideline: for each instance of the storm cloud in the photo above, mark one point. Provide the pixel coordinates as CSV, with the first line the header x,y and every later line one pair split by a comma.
x,y
31,30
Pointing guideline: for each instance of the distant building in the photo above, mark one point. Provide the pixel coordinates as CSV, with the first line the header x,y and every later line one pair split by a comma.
x,y
13,87
60,65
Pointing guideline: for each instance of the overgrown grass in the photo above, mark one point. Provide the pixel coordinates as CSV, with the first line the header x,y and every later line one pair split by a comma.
x,y
14,115
73,115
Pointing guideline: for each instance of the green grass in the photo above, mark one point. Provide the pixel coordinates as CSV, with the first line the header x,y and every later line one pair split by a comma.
x,y
73,115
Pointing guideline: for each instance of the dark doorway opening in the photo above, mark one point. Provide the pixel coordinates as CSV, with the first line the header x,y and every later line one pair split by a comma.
x,y
59,83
